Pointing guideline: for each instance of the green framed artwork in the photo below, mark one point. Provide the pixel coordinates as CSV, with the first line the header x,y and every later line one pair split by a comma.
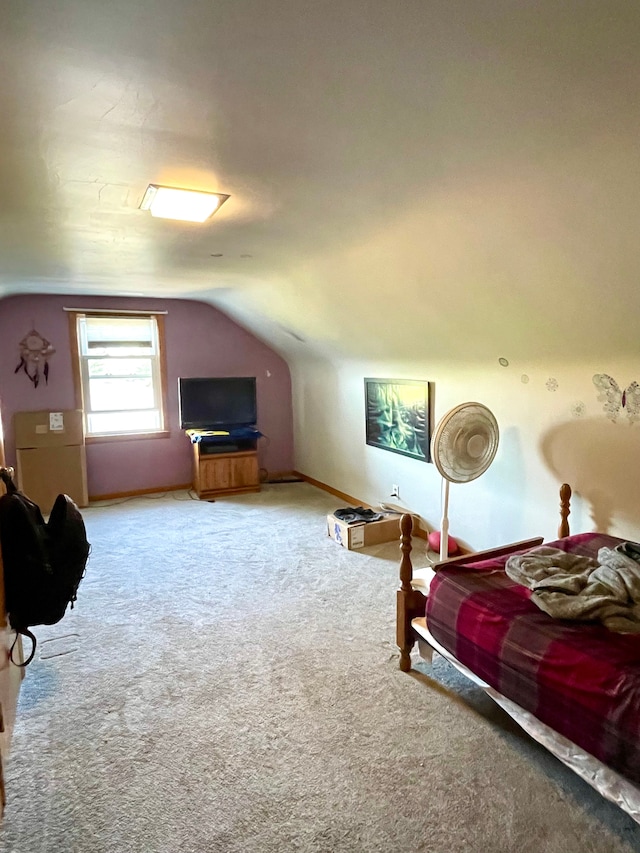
x,y
398,416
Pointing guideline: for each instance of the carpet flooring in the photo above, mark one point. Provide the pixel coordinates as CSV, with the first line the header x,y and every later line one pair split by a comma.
x,y
229,681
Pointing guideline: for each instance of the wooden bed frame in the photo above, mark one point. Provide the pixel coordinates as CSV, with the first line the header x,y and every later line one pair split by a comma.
x,y
411,602
412,626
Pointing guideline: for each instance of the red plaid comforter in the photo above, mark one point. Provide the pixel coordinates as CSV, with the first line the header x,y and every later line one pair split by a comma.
x,y
577,677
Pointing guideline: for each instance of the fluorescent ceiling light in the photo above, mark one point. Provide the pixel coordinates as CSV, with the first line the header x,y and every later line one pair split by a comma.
x,y
186,205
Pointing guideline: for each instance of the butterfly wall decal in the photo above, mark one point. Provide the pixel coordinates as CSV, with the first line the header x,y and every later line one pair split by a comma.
x,y
615,399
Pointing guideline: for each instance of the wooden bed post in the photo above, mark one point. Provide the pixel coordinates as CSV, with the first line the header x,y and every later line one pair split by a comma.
x,y
410,603
565,501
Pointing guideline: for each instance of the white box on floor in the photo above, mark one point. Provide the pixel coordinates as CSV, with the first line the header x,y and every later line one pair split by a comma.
x,y
360,534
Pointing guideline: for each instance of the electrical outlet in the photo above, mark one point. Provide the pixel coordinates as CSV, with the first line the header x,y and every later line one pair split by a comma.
x,y
395,491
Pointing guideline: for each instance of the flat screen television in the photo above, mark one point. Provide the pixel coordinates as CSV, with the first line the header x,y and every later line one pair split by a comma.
x,y
217,402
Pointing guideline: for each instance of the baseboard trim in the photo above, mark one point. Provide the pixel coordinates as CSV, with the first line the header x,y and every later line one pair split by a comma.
x,y
349,499
326,488
137,492
274,479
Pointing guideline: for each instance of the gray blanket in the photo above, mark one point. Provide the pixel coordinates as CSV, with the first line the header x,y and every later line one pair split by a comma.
x,y
568,586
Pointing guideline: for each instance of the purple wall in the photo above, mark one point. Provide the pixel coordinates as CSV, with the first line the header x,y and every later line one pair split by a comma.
x,y
200,341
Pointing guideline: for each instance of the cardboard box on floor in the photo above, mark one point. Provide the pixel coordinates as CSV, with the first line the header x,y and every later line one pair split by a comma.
x,y
48,429
50,456
360,534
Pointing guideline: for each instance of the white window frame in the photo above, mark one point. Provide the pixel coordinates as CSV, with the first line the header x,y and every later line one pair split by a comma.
x,y
83,357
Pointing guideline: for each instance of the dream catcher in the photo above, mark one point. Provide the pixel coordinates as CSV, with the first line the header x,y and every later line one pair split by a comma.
x,y
615,399
34,351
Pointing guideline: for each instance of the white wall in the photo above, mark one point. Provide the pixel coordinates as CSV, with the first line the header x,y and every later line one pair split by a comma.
x,y
547,437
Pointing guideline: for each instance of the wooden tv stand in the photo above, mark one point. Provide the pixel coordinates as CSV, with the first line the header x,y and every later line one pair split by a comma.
x,y
229,472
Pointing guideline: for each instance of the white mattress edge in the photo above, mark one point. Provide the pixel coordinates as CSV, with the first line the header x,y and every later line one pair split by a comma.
x,y
606,781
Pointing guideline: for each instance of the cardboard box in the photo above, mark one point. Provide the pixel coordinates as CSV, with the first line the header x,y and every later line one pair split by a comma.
x,y
48,429
46,472
363,534
50,456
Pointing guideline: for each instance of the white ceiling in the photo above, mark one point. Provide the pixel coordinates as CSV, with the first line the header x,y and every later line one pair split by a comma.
x,y
410,179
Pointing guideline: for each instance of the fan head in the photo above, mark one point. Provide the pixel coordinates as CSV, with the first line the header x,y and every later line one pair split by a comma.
x,y
465,442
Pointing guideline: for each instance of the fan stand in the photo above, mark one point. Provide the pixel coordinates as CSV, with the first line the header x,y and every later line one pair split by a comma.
x,y
444,524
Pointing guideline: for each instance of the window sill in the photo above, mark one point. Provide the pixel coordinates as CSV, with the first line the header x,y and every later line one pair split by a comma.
x,y
137,436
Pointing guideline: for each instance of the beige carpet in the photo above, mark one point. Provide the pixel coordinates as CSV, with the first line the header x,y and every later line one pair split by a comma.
x,y
228,682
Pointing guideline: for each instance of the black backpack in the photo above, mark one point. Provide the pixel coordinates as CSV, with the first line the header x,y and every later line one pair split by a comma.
x,y
44,562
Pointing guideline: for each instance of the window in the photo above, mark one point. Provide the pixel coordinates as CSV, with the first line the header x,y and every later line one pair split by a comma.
x,y
120,373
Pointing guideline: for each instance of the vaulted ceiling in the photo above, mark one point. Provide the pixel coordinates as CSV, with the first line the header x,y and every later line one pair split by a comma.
x,y
424,178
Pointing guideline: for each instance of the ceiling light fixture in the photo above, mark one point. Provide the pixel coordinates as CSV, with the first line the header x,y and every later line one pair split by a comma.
x,y
176,203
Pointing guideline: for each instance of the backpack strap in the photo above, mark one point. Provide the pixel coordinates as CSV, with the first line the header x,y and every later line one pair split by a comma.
x,y
27,633
6,475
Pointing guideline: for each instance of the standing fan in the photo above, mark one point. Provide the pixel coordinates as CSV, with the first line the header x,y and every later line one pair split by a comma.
x,y
462,448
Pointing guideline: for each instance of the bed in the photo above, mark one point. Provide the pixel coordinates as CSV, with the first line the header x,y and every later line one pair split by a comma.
x,y
572,685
